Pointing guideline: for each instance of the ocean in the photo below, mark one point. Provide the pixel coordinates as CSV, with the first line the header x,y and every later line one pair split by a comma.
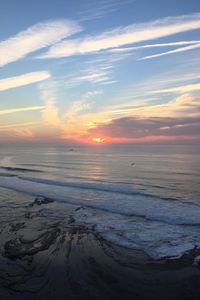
x,y
141,197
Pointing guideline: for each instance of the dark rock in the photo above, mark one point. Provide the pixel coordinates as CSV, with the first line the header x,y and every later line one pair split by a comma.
x,y
28,215
17,248
17,226
41,200
71,220
80,207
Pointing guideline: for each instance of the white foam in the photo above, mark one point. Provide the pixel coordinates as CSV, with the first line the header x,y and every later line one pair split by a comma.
x,y
159,227
196,261
152,208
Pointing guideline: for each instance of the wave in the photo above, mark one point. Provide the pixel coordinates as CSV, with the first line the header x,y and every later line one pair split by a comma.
x,y
17,169
8,175
161,228
109,198
120,188
105,186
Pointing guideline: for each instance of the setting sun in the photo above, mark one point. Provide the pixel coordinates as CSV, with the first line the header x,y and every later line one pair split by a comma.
x,y
100,149
98,140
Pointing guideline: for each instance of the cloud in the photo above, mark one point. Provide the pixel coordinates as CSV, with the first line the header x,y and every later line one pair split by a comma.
x,y
135,127
125,35
16,125
178,119
180,89
24,133
168,44
21,80
82,105
97,72
21,109
48,93
68,122
182,78
95,10
34,38
186,105
92,75
182,49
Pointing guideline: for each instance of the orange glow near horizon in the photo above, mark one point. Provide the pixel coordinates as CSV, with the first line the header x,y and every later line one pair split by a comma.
x,y
98,140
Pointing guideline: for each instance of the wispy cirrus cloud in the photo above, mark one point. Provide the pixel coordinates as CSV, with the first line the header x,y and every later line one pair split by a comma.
x,y
91,75
186,105
178,50
158,45
82,105
21,109
24,133
122,36
21,80
34,38
186,88
96,10
16,125
181,78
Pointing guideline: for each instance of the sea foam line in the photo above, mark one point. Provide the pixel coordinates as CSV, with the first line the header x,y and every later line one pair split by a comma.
x,y
172,212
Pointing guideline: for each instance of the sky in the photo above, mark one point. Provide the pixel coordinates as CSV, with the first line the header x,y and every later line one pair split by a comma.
x,y
100,71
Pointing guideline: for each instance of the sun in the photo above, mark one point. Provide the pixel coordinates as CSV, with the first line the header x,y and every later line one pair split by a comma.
x,y
98,140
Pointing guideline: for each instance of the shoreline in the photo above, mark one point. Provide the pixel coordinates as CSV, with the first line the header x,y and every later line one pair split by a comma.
x,y
44,257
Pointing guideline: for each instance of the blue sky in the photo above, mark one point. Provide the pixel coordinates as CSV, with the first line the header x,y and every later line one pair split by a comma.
x,y
124,71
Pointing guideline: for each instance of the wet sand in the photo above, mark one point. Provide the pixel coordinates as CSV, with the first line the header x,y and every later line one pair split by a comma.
x,y
48,255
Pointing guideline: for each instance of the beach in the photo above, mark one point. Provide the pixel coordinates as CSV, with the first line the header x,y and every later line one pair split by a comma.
x,y
93,225
47,257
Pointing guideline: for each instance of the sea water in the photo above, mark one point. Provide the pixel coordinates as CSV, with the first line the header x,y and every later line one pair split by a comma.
x,y
144,197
